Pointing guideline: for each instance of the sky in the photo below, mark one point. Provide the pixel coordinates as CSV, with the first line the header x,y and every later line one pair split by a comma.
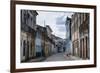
x,y
56,21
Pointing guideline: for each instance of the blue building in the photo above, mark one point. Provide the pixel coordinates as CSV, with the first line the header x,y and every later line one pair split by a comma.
x,y
68,36
39,41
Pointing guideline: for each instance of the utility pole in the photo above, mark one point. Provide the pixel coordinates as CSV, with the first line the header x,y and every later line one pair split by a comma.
x,y
44,23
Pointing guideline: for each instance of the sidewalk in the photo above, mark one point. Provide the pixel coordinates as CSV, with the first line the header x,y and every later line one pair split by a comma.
x,y
76,58
37,59
70,57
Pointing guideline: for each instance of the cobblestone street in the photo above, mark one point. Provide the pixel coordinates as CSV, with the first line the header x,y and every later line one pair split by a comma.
x,y
61,57
55,57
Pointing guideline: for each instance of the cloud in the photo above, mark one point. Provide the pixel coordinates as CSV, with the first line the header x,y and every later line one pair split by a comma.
x,y
56,20
61,20
62,28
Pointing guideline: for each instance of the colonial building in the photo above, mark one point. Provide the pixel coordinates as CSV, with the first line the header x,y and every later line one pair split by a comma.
x,y
75,34
84,36
43,41
68,36
59,44
80,35
54,47
28,22
48,40
55,44
39,41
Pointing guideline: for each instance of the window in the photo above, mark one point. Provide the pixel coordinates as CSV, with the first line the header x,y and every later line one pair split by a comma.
x,y
81,18
31,48
34,21
24,44
84,16
25,17
38,34
31,21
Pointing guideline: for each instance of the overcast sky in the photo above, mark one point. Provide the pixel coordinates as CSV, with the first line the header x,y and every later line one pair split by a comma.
x,y
56,21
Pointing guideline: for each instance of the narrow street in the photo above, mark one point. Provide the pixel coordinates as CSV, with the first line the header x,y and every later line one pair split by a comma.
x,y
61,57
55,57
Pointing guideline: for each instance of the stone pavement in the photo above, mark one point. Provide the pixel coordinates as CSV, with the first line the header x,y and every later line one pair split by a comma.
x,y
55,57
61,57
70,57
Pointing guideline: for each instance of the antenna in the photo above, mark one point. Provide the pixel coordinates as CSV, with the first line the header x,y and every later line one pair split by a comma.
x,y
44,23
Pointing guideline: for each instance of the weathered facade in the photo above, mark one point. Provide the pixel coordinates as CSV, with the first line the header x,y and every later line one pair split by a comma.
x,y
59,44
54,44
28,21
75,34
80,34
48,40
39,41
84,36
43,41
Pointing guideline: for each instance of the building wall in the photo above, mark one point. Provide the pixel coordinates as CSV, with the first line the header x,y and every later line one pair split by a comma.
x,y
53,49
43,39
80,34
46,47
75,34
84,35
28,34
27,48
68,36
54,43
43,42
40,41
48,41
23,43
31,45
